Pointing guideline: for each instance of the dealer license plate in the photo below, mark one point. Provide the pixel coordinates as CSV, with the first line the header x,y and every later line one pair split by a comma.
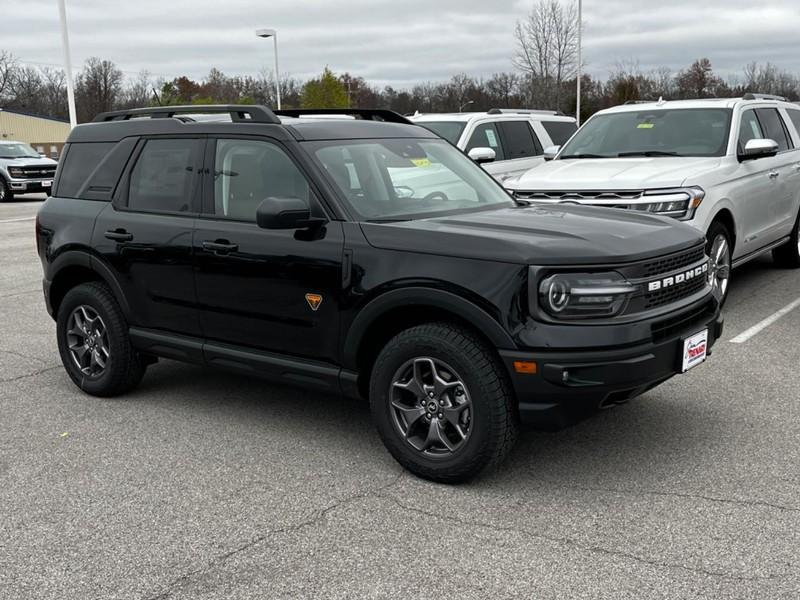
x,y
695,349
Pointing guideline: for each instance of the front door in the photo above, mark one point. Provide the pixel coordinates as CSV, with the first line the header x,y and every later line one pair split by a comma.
x,y
145,234
270,290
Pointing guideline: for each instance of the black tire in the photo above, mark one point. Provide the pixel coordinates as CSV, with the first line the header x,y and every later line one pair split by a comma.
x,y
6,195
124,367
716,231
493,420
788,255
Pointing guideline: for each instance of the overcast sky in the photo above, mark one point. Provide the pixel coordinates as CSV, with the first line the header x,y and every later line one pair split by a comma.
x,y
393,42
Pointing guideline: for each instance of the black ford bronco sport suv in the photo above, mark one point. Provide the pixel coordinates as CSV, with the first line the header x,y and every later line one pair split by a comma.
x,y
359,254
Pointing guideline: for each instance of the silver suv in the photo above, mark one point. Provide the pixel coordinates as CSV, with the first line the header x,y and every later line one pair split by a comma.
x,y
23,170
505,142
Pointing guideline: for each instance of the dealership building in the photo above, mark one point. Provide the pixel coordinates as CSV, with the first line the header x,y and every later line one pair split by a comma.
x,y
46,134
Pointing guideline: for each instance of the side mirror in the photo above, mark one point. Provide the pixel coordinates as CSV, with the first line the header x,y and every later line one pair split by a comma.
x,y
551,152
285,213
482,155
761,148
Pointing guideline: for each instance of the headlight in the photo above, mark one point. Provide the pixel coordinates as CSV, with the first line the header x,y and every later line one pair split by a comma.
x,y
679,203
15,172
585,295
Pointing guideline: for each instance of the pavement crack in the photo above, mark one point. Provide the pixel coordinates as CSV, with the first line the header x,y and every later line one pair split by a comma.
x,y
34,374
686,496
22,293
24,356
317,517
572,543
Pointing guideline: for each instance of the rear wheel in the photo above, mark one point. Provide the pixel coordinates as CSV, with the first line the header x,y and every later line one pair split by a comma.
x,y
94,344
788,255
5,192
442,403
720,250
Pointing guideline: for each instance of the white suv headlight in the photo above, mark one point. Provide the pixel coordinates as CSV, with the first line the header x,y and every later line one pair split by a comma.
x,y
679,203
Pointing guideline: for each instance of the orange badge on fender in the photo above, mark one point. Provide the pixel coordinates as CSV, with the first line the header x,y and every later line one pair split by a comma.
x,y
314,300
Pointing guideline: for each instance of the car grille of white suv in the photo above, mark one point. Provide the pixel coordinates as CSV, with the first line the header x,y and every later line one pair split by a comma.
x,y
612,199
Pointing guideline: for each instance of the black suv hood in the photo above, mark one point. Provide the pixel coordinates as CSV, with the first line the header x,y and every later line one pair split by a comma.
x,y
561,234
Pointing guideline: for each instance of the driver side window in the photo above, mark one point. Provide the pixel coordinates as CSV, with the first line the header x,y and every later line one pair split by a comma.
x,y
485,136
247,172
750,129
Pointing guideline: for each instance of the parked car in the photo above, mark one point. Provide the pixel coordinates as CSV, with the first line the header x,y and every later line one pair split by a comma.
x,y
506,142
278,246
728,167
23,170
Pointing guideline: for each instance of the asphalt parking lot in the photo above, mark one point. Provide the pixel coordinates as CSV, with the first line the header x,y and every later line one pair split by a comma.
x,y
202,484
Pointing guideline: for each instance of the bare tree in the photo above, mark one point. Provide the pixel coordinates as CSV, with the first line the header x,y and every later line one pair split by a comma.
x,y
97,88
138,92
547,42
8,68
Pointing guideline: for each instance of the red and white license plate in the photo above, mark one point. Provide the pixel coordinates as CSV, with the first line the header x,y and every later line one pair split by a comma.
x,y
695,350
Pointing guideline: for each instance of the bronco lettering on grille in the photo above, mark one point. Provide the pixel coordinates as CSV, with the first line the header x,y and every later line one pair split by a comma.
x,y
666,282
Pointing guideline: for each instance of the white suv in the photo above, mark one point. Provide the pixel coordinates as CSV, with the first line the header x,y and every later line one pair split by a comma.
x,y
729,167
506,142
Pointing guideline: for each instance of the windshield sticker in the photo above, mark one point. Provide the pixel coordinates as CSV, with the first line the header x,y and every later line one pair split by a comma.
x,y
645,125
490,137
421,162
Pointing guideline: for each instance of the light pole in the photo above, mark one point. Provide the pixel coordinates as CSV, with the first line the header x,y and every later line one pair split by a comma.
x,y
62,11
267,33
580,28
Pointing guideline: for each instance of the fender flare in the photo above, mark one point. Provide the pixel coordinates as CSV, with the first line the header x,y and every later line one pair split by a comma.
x,y
82,258
421,296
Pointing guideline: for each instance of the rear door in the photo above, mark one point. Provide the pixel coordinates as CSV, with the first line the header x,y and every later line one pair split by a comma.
x,y
266,289
145,233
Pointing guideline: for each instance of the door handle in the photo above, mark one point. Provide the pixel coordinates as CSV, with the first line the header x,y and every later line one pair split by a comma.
x,y
118,235
220,246
773,174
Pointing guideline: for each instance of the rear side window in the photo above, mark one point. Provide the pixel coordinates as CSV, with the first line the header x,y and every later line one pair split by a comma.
x,y
485,136
794,115
165,176
519,139
559,131
773,127
81,161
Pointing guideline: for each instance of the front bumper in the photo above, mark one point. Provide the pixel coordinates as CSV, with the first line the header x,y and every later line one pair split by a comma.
x,y
30,186
601,377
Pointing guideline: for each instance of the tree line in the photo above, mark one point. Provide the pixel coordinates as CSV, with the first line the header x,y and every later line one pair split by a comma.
x,y
544,77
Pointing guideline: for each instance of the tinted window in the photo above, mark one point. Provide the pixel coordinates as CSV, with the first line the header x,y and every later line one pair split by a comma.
x,y
247,172
449,130
519,139
559,131
485,136
165,176
794,115
750,129
772,125
80,162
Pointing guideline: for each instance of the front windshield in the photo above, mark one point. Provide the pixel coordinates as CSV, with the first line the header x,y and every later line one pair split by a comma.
x,y
449,130
653,132
400,179
17,151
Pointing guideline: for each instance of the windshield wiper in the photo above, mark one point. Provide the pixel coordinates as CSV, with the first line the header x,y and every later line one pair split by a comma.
x,y
647,153
584,156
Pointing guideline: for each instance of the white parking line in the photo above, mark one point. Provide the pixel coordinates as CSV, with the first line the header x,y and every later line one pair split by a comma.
x,y
748,333
18,220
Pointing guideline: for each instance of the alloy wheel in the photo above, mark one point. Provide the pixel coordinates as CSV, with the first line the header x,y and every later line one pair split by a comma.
x,y
720,264
87,341
431,407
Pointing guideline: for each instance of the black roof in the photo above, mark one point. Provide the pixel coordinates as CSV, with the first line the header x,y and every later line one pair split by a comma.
x,y
256,120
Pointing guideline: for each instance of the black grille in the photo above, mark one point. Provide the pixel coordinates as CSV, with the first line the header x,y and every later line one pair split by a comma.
x,y
38,172
673,262
674,293
681,323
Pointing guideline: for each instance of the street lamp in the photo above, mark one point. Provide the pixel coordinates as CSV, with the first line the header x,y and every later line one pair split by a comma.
x,y
461,108
580,27
267,33
62,12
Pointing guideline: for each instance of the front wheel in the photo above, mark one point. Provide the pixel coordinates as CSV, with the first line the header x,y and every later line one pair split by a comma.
x,y
6,195
442,403
788,255
718,248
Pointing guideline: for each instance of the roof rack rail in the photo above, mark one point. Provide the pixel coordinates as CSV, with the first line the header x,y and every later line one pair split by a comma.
x,y
523,111
640,101
367,114
239,113
751,96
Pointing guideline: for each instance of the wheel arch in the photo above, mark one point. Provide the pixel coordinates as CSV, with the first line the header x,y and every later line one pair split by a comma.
x,y
725,216
394,311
